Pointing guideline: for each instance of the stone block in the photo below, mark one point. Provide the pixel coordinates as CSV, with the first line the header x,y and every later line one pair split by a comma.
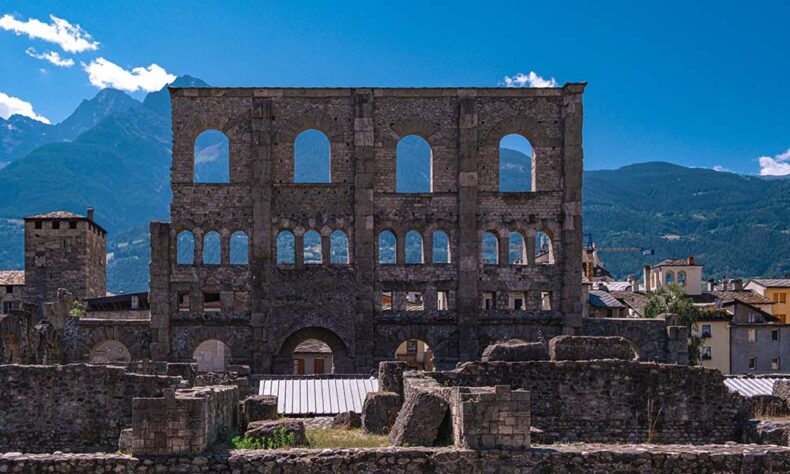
x,y
347,420
258,408
265,431
380,411
590,348
419,419
391,376
515,350
125,441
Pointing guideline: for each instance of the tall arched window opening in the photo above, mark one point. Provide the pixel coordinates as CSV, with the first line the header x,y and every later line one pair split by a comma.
x,y
414,165
414,247
239,248
212,157
286,253
312,247
516,164
387,247
312,157
185,248
212,254
490,249
441,247
339,247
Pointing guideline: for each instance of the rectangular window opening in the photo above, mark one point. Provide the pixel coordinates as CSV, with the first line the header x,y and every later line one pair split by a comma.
x,y
706,353
489,300
72,224
442,301
775,335
517,301
386,301
38,224
751,363
706,330
545,300
415,301
56,224
9,289
752,335
211,301
775,364
183,301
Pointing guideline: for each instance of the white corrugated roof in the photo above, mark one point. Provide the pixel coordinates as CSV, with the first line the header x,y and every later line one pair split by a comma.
x,y
750,387
319,396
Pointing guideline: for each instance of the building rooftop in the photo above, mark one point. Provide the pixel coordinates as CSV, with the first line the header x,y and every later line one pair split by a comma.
x,y
318,395
772,282
313,346
744,296
637,301
684,262
12,277
66,215
604,299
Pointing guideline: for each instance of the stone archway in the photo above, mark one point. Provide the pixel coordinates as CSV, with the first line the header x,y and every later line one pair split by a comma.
x,y
212,355
110,351
417,353
283,362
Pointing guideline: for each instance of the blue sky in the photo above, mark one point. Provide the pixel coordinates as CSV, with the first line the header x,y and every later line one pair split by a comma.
x,y
694,83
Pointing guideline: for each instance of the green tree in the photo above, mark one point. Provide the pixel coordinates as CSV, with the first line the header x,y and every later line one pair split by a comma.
x,y
672,299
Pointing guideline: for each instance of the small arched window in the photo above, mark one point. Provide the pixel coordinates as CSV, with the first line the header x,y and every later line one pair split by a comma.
x,y
682,278
441,247
544,250
212,157
517,249
212,254
339,247
670,278
387,247
516,161
414,247
185,248
490,249
312,157
286,253
311,246
413,165
239,248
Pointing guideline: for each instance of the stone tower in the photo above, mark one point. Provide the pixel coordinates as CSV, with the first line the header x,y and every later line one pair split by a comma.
x,y
64,250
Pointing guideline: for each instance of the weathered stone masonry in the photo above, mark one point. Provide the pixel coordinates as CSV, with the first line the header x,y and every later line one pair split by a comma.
x,y
267,309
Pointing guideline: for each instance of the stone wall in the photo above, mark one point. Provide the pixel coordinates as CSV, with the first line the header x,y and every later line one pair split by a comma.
x,y
581,459
185,421
74,407
491,417
611,401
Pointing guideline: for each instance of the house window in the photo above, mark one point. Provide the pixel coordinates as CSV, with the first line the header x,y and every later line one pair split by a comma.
x,y
489,299
442,301
682,278
517,301
783,297
7,306
775,335
183,301
752,335
135,303
782,318
211,301
751,363
9,289
411,346
545,300
72,224
56,225
386,301
414,301
706,331
775,365
706,353
37,224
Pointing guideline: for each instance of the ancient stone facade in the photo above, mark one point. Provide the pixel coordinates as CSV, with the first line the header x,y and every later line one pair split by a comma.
x,y
266,308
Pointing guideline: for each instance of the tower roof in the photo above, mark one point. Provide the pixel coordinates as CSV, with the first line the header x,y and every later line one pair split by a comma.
x,y
55,215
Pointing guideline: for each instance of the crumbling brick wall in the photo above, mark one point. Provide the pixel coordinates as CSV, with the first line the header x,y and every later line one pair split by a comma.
x,y
74,407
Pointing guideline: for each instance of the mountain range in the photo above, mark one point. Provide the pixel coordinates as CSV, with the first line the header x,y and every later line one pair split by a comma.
x,y
113,153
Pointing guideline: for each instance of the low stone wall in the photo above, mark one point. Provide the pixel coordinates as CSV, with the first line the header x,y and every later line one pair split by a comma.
x,y
185,421
610,400
581,459
76,407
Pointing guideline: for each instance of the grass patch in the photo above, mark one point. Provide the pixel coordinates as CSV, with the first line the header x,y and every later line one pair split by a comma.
x,y
340,438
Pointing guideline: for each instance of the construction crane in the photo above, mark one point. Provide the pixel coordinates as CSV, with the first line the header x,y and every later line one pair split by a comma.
x,y
591,254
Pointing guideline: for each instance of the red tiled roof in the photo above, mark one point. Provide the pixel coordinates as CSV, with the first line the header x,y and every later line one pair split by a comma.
x,y
746,296
772,282
676,263
56,215
12,277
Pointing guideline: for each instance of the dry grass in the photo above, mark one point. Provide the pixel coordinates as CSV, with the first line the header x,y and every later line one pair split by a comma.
x,y
339,438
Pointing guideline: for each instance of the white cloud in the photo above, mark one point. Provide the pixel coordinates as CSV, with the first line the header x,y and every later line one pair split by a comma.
x,y
50,56
14,106
103,73
778,165
71,38
528,80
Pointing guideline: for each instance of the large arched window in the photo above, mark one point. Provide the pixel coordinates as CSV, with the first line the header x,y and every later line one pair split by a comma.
x,y
516,161
212,254
414,165
441,247
338,247
286,254
670,278
239,248
387,247
682,278
414,247
517,249
212,157
312,158
185,248
311,245
490,249
544,251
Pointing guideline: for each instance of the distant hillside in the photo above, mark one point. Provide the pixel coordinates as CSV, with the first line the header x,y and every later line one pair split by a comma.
x,y
118,161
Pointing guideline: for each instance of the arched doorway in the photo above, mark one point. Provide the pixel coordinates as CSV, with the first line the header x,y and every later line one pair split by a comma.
x,y
313,357
416,353
313,342
212,355
110,352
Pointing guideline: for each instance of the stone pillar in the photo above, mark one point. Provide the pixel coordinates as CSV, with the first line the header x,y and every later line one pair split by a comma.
x,y
159,291
467,244
427,248
504,249
364,239
262,265
571,232
326,249
677,345
400,249
299,250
